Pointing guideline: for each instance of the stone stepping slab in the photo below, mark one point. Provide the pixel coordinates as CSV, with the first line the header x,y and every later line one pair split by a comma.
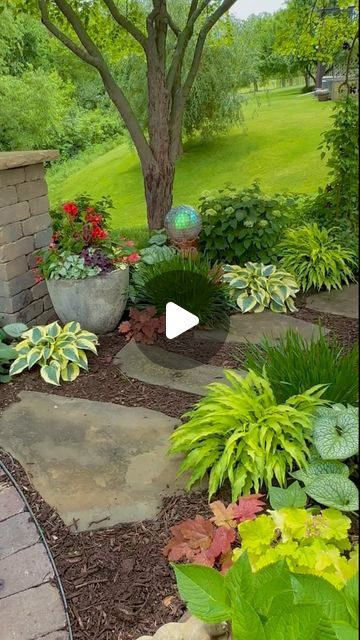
x,y
30,604
97,463
154,365
344,302
253,327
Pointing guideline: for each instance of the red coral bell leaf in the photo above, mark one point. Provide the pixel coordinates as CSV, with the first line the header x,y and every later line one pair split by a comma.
x,y
248,506
223,516
190,539
124,327
222,541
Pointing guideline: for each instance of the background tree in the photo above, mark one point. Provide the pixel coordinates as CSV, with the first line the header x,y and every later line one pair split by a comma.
x,y
96,31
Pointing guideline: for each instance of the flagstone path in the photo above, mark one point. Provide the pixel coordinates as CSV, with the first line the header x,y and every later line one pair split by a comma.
x,y
340,303
30,604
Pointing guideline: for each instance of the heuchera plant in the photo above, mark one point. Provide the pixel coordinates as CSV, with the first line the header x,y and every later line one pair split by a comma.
x,y
82,228
209,541
143,325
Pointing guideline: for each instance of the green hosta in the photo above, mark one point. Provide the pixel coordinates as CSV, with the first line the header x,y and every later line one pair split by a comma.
x,y
311,541
7,351
336,437
239,433
315,259
256,287
271,604
59,352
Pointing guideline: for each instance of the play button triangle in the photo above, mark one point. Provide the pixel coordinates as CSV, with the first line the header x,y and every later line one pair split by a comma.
x,y
178,320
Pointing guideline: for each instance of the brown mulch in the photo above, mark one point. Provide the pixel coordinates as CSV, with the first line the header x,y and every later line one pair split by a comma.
x,y
117,583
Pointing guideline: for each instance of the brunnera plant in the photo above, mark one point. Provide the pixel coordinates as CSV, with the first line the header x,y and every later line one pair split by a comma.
x,y
238,432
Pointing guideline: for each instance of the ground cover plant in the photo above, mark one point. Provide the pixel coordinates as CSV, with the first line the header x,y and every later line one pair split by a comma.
x,y
242,226
294,364
315,259
273,603
190,282
256,287
238,432
59,352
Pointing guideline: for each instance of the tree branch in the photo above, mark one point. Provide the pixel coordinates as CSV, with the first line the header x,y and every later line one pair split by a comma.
x,y
126,24
173,26
70,44
74,20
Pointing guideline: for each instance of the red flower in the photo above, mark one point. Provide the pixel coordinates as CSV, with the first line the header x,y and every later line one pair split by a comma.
x,y
133,258
71,209
39,260
94,218
37,275
98,234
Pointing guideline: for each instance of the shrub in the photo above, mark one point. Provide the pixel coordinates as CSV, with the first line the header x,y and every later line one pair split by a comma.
x,y
8,352
294,364
188,282
143,325
302,537
314,258
59,352
336,438
242,226
239,432
271,604
256,287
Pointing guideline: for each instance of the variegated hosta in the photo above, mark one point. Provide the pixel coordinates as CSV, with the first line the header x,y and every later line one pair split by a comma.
x,y
59,352
256,287
238,432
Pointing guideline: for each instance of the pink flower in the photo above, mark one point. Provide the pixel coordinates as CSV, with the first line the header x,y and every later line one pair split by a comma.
x,y
133,258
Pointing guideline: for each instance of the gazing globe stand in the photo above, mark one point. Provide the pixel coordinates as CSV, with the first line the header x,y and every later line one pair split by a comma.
x,y
182,226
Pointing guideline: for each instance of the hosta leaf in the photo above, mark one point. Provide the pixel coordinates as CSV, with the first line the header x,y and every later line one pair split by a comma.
x,y
71,353
268,270
18,365
7,352
51,373
34,356
83,343
72,327
334,490
247,304
70,372
293,496
203,590
15,330
35,335
321,467
53,329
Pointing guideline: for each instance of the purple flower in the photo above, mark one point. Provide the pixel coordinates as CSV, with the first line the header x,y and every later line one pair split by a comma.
x,y
96,258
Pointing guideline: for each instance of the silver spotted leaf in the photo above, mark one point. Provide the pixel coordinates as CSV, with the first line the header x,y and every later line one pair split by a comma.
x,y
336,432
319,468
334,490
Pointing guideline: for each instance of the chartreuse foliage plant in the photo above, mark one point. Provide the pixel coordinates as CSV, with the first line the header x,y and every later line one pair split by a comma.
x,y
8,353
336,438
238,432
311,542
315,259
271,604
239,226
294,364
256,287
59,352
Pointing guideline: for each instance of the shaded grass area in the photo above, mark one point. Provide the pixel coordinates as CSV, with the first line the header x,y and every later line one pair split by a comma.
x,y
278,145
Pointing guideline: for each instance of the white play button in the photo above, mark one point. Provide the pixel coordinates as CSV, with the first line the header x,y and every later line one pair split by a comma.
x,y
178,320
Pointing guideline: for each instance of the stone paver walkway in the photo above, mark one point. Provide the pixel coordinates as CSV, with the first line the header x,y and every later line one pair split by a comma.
x,y
30,604
252,327
96,463
344,302
154,365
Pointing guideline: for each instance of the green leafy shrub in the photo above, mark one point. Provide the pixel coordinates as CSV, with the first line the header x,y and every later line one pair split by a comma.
x,y
294,364
336,438
239,433
189,282
315,259
256,287
59,352
242,226
7,351
312,542
271,604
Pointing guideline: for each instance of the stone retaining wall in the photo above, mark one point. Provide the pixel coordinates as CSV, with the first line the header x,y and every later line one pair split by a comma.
x,y
24,228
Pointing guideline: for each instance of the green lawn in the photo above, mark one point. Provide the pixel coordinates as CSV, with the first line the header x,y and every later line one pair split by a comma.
x,y
278,146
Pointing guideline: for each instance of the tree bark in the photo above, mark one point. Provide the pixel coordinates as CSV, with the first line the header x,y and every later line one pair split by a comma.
x,y
158,183
320,72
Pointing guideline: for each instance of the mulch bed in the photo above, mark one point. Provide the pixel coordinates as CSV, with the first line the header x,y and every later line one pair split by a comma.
x,y
117,583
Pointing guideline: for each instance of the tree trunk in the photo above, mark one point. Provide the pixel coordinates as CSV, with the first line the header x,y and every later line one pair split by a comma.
x,y
158,182
320,72
307,79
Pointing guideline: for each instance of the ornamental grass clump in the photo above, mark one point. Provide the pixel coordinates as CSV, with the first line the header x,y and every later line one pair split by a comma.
x,y
315,259
238,432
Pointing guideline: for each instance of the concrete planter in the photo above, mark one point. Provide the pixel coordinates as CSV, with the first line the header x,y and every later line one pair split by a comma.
x,y
96,303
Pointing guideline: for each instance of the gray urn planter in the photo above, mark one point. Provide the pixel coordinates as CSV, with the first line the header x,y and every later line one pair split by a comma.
x,y
96,303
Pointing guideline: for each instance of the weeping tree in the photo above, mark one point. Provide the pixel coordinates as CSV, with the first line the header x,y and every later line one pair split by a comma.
x,y
94,29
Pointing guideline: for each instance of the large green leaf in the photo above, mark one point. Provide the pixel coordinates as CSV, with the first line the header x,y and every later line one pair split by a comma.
x,y
336,433
310,589
239,579
7,352
246,623
334,490
270,582
351,595
344,631
15,330
293,496
304,622
321,467
203,590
